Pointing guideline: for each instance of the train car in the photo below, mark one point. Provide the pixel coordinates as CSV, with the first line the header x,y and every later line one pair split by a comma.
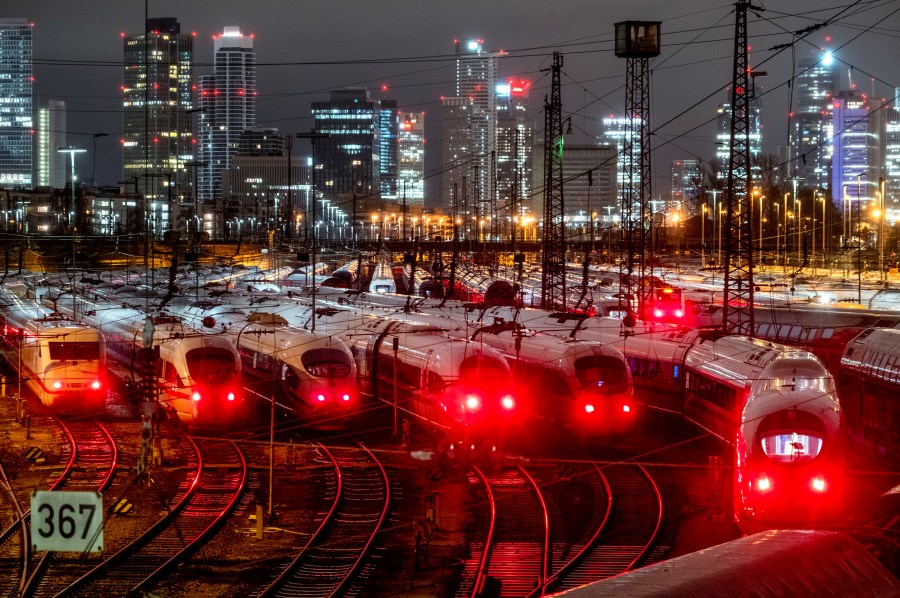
x,y
869,382
198,375
666,305
311,375
62,362
457,385
383,280
591,383
776,406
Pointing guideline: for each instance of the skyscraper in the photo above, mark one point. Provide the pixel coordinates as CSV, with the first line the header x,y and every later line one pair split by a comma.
x,y
387,131
687,177
616,131
15,103
158,138
475,81
811,122
348,162
49,135
411,149
515,142
228,107
892,158
723,139
458,142
857,158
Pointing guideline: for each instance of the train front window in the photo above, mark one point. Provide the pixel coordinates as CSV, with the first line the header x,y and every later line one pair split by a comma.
x,y
326,363
791,447
211,365
601,374
74,350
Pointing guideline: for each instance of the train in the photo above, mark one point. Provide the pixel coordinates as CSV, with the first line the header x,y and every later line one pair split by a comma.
x,y
310,375
869,380
62,363
198,376
458,386
383,280
591,384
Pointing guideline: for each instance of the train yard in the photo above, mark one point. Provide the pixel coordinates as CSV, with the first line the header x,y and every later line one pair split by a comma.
x,y
383,444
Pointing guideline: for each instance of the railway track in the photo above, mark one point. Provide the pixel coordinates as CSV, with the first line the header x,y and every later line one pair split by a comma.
x,y
93,461
335,555
203,501
14,554
544,532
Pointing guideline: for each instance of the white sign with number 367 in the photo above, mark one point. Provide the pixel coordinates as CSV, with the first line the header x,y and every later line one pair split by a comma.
x,y
67,521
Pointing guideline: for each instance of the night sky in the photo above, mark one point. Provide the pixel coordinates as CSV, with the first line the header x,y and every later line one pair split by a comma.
x,y
408,46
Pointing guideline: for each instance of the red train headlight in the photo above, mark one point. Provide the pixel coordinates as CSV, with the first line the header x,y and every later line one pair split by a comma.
x,y
346,397
508,402
473,403
658,313
589,408
320,398
626,408
231,396
679,313
57,385
196,396
95,385
818,484
763,484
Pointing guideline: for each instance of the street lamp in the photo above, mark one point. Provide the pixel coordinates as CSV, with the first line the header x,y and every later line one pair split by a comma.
x,y
703,210
715,210
859,238
799,205
71,150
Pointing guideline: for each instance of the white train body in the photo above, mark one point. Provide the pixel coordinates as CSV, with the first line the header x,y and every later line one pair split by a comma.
x,y
199,375
456,384
62,362
312,375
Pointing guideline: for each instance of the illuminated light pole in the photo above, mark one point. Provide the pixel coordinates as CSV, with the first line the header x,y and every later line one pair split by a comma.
x,y
71,150
858,239
715,194
703,210
799,205
824,237
784,213
881,228
813,254
761,198
312,136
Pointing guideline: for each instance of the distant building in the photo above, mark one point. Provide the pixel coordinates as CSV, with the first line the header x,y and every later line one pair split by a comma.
x,y
261,142
411,150
617,131
587,194
349,161
15,103
723,139
50,168
687,179
515,142
388,148
227,101
458,144
158,135
811,123
475,82
892,159
858,158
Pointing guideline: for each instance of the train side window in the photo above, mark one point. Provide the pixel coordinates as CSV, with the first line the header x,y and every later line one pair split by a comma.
x,y
795,332
827,333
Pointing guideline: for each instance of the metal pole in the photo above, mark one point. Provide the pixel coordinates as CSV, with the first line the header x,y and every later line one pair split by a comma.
x,y
813,254
881,230
271,452
396,342
858,239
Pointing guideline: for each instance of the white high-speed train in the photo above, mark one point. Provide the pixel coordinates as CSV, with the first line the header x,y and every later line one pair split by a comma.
x,y
62,362
198,375
312,375
461,386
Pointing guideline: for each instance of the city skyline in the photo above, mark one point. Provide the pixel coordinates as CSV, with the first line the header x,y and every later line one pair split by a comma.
x,y
297,69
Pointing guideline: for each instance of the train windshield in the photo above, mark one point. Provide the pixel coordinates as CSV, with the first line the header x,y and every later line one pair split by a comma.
x,y
602,375
326,363
791,447
483,368
74,350
211,365
796,375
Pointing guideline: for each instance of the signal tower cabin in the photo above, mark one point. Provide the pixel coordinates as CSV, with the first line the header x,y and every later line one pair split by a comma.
x,y
637,41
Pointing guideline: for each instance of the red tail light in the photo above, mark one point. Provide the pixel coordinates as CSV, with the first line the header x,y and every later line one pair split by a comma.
x,y
763,484
95,385
508,402
231,396
320,398
346,397
657,313
196,396
57,385
818,484
588,408
679,313
626,408
473,403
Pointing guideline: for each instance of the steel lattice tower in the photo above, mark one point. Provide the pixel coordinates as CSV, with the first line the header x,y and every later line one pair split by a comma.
x,y
553,277
637,41
737,312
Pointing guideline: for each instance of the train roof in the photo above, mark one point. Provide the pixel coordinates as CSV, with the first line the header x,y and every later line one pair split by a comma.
x,y
882,340
772,563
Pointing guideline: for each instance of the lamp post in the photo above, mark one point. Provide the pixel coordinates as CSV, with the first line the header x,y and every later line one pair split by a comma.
x,y
715,194
881,228
858,239
703,210
760,261
824,237
799,205
312,136
784,213
71,150
813,253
